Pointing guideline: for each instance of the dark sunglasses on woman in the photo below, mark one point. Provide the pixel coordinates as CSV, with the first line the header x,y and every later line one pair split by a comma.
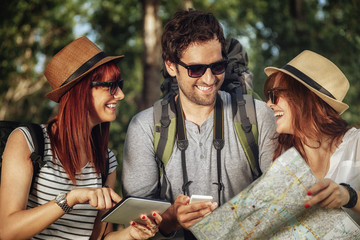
x,y
113,86
197,70
273,95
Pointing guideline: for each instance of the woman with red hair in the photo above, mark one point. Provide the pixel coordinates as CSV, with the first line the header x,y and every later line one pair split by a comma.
x,y
78,176
306,96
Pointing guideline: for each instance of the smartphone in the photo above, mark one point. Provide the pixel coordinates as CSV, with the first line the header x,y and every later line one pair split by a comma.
x,y
200,198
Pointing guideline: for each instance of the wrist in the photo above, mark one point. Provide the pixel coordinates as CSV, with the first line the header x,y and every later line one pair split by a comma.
x,y
61,201
127,233
169,223
70,199
124,234
353,196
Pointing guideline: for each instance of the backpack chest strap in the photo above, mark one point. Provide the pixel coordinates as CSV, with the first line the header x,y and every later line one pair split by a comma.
x,y
218,142
182,144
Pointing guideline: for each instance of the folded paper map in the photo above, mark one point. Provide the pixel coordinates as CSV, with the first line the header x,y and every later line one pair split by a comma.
x,y
272,207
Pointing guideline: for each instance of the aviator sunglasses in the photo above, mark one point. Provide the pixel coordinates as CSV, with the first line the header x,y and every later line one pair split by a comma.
x,y
197,70
273,95
113,86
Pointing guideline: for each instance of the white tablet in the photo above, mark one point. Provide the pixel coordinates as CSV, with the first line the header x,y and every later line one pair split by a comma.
x,y
130,208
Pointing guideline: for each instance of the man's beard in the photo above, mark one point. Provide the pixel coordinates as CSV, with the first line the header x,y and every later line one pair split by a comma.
x,y
201,99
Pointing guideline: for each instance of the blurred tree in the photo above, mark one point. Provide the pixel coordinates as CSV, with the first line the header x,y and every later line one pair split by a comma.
x,y
30,32
285,28
152,30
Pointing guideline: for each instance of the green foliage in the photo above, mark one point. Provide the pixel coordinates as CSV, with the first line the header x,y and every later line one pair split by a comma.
x,y
330,30
30,32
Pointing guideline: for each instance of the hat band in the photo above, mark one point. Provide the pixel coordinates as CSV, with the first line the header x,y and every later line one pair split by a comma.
x,y
307,80
86,66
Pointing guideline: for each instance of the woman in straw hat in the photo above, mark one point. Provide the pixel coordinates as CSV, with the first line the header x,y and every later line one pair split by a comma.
x,y
306,96
68,190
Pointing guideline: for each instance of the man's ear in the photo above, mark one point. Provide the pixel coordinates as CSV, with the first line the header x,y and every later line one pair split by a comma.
x,y
171,68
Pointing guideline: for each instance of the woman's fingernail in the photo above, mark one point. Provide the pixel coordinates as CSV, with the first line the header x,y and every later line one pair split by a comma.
x,y
309,193
133,223
154,214
307,205
143,217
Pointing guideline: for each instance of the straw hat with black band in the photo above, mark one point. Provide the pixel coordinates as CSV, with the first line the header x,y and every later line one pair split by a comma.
x,y
71,64
319,75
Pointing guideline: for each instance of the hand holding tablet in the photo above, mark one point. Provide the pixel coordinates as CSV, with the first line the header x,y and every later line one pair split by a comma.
x,y
130,209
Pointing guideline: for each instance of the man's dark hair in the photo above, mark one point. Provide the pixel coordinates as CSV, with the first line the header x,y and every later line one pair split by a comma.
x,y
187,27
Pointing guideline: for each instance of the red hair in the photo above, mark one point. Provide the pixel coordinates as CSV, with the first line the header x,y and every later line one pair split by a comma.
x,y
312,117
69,130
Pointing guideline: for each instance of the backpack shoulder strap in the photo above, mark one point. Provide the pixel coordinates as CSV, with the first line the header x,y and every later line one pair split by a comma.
x,y
6,127
246,128
37,157
105,175
38,139
36,133
164,128
164,138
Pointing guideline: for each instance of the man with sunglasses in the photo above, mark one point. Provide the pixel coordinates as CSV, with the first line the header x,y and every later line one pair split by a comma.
x,y
193,50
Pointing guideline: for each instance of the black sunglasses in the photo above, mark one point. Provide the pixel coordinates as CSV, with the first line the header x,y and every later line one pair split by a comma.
x,y
113,86
273,95
197,70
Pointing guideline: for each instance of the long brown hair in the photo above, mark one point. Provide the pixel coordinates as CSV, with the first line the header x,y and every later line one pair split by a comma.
x,y
69,130
312,117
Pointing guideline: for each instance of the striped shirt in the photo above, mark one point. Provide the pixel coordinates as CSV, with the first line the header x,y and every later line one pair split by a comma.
x,y
52,180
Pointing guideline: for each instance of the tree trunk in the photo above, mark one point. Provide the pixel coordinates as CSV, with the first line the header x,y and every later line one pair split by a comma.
x,y
151,54
22,84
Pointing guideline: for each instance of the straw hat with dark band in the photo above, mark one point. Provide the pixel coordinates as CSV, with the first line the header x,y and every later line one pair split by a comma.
x,y
319,75
71,64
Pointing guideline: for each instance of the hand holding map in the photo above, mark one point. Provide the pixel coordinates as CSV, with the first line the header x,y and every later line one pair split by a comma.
x,y
273,208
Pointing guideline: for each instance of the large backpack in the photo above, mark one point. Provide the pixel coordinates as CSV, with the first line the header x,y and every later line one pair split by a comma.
x,y
166,123
36,132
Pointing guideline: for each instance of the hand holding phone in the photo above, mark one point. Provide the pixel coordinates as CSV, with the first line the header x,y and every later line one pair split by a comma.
x,y
200,198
